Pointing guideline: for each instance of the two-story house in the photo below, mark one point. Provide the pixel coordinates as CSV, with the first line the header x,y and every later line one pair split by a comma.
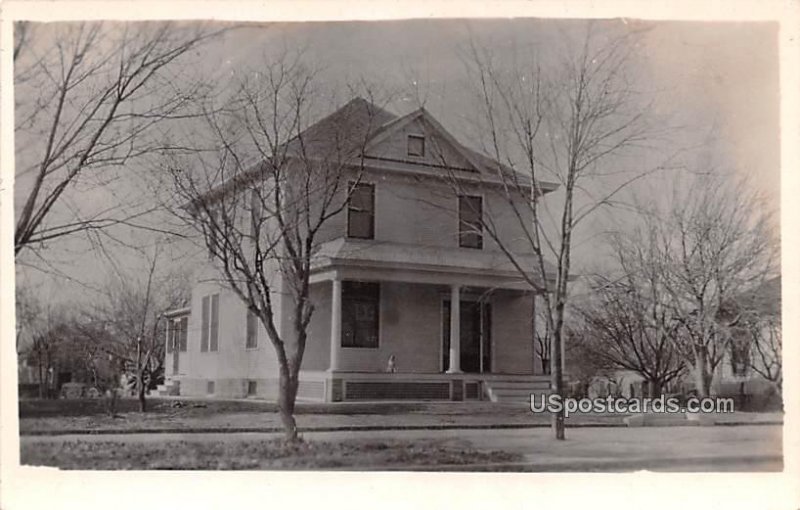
x,y
412,300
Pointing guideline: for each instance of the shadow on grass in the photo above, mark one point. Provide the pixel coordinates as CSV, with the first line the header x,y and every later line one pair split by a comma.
x,y
272,454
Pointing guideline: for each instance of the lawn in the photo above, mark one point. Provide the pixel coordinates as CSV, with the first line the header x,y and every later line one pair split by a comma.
x,y
165,415
266,454
38,416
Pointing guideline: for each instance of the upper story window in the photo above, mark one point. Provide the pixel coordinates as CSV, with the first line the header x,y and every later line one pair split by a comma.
x,y
360,311
416,145
361,211
209,333
470,222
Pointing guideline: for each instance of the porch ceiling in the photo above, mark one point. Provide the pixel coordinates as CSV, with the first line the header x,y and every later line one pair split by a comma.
x,y
386,261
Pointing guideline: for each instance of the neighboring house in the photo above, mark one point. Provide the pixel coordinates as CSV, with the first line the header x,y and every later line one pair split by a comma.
x,y
396,279
754,352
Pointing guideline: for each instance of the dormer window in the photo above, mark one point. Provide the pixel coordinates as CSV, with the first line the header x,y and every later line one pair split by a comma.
x,y
416,145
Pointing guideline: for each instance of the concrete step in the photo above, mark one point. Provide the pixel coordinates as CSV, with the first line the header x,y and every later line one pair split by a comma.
x,y
516,391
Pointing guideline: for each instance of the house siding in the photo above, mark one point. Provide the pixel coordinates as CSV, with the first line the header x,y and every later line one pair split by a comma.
x,y
437,150
511,334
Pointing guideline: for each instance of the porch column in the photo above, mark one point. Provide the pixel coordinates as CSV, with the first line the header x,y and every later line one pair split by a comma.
x,y
336,322
455,330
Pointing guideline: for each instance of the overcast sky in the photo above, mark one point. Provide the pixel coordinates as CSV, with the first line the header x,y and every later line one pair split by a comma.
x,y
718,81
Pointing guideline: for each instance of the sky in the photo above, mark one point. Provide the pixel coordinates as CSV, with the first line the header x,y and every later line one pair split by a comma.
x,y
716,84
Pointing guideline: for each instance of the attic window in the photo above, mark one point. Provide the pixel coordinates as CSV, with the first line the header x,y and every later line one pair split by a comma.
x,y
416,145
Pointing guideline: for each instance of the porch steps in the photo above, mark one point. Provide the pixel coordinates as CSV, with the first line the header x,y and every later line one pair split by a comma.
x,y
518,392
171,387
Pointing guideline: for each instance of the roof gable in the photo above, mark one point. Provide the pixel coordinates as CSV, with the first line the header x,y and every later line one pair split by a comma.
x,y
391,142
362,127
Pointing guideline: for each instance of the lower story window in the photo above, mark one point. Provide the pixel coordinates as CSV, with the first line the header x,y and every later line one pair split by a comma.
x,y
360,312
252,388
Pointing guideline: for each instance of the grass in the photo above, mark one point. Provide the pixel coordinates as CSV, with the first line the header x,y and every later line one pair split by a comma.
x,y
90,407
77,416
269,454
48,416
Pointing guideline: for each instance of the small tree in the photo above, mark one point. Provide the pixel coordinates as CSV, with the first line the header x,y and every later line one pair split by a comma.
x,y
131,314
262,192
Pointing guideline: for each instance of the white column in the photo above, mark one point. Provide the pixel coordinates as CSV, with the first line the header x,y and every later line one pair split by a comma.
x,y
455,330
336,322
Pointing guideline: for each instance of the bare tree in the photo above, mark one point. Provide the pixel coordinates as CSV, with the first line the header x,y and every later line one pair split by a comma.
x,y
131,313
564,124
628,320
714,239
93,344
91,99
41,330
263,192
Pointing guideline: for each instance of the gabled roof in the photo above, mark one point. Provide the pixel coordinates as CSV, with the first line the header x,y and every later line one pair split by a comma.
x,y
362,124
398,124
342,132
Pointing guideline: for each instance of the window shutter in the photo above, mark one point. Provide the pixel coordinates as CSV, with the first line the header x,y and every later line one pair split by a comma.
x,y
214,321
204,326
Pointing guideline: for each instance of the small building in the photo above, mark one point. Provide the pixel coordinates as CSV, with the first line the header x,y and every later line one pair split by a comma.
x,y
408,305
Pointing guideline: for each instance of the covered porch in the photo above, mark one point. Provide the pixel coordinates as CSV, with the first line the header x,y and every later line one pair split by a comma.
x,y
445,325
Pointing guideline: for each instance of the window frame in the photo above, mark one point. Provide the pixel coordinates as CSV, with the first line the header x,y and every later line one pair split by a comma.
x,y
464,234
352,187
415,136
350,298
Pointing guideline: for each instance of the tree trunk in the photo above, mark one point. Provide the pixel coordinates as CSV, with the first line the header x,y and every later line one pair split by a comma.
x,y
703,376
654,388
41,378
287,393
141,391
557,378
112,402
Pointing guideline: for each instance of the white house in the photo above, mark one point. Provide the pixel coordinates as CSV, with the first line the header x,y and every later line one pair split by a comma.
x,y
408,304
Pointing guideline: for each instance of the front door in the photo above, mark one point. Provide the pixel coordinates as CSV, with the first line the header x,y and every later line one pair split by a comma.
x,y
475,337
